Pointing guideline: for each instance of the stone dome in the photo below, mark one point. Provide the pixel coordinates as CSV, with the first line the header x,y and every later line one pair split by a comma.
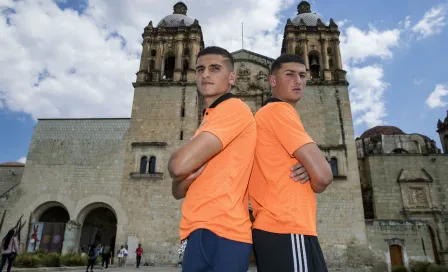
x,y
310,19
174,20
304,12
382,130
178,18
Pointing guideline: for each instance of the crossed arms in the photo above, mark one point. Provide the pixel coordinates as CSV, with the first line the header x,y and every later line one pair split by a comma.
x,y
186,164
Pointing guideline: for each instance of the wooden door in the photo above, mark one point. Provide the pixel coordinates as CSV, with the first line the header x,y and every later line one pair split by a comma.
x,y
396,255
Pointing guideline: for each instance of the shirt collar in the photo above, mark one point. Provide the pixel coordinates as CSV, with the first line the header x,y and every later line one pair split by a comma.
x,y
221,99
271,100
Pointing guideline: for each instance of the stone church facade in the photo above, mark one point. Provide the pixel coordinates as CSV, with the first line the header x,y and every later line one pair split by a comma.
x,y
106,180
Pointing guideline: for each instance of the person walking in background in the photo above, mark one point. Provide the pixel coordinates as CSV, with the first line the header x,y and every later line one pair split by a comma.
x,y
125,255
10,248
106,257
121,254
92,254
139,253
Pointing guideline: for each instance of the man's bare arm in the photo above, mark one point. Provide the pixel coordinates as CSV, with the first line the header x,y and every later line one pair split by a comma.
x,y
316,165
193,155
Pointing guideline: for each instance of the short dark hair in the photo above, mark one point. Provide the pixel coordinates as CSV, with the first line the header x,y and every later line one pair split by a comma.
x,y
285,58
216,50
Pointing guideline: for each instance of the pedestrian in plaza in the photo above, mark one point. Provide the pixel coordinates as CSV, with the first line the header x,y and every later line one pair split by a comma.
x,y
92,255
10,248
106,257
138,254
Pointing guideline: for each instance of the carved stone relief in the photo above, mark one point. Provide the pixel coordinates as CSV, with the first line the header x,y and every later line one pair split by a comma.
x,y
245,81
417,197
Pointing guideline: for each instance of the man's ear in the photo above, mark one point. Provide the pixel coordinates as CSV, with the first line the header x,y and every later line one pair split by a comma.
x,y
232,78
272,81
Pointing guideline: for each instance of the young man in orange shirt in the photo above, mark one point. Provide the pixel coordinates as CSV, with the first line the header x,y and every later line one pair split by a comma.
x,y
284,231
212,172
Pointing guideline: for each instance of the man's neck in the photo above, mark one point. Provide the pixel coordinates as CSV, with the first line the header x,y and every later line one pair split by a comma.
x,y
211,99
293,104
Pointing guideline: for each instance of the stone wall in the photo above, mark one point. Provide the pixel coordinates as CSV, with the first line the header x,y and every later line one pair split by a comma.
x,y
411,235
10,177
76,164
155,129
410,187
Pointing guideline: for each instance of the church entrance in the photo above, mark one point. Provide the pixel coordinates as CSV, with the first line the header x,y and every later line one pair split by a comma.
x,y
396,255
99,227
47,232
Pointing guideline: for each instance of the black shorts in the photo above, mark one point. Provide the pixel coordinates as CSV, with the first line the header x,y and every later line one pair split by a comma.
x,y
276,252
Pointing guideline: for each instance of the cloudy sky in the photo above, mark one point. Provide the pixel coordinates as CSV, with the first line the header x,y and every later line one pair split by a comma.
x,y
78,58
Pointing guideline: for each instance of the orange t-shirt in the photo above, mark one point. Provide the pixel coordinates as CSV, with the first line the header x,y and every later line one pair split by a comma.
x,y
280,204
218,199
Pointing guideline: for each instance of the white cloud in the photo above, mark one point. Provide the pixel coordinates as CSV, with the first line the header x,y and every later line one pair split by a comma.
x,y
432,23
406,23
59,63
367,85
435,98
22,160
366,95
358,45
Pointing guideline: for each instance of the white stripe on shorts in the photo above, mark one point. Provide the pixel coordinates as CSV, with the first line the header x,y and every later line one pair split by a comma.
x,y
299,253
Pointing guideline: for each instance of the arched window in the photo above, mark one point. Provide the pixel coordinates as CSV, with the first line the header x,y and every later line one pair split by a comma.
x,y
169,66
330,63
334,166
186,51
152,165
143,164
153,53
314,61
152,64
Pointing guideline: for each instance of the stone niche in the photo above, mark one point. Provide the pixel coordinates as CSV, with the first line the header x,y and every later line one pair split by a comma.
x,y
416,186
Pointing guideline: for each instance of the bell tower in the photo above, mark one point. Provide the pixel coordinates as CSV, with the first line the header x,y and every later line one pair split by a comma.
x,y
442,129
170,48
307,35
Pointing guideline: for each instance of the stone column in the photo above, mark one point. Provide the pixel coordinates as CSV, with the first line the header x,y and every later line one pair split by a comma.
x,y
71,237
194,50
159,50
337,54
305,52
326,68
290,48
178,63
305,56
143,71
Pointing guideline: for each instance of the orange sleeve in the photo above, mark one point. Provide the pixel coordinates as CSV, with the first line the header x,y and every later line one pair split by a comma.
x,y
288,129
229,120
